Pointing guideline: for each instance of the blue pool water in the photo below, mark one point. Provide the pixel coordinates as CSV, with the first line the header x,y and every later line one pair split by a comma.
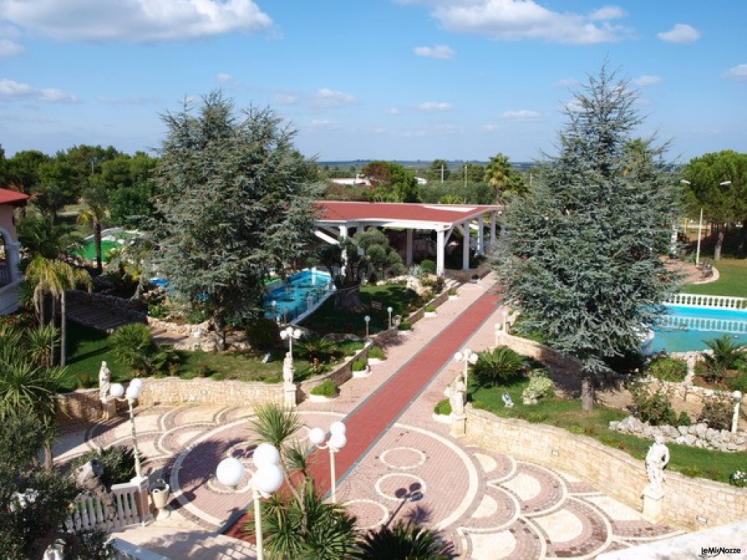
x,y
291,299
688,328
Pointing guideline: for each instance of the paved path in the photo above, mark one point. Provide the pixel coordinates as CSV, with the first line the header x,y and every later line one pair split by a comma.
x,y
490,505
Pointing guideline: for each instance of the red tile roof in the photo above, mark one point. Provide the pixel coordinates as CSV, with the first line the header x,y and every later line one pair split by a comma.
x,y
12,197
344,211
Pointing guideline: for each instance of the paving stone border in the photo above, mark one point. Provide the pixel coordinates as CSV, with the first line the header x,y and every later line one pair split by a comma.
x,y
689,503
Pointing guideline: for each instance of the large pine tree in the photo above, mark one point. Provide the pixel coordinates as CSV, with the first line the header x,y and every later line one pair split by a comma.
x,y
580,256
235,203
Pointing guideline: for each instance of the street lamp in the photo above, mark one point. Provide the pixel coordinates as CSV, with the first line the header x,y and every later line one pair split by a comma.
x,y
468,357
700,221
367,319
267,479
389,310
134,390
289,334
337,440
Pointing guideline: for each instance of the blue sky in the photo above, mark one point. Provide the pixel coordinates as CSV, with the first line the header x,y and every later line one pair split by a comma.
x,y
394,79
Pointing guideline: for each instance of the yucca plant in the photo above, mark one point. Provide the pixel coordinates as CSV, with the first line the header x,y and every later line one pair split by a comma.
x,y
404,541
133,346
500,365
40,342
725,354
316,349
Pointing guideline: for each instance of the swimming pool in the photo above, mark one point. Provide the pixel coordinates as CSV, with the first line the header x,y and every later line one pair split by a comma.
x,y
685,328
299,292
111,239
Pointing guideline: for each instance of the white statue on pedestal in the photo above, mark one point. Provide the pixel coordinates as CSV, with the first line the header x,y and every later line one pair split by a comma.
x,y
657,459
458,397
105,377
288,369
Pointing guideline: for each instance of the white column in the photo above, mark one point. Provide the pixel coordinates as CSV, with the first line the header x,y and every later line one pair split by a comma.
x,y
408,246
492,229
13,254
440,247
343,235
465,246
480,236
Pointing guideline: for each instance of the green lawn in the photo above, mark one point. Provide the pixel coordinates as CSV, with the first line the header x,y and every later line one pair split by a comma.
x,y
87,348
732,280
567,414
327,319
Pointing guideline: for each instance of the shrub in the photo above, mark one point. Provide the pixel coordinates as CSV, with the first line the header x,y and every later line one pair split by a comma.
x,y
158,310
430,308
263,334
738,383
404,325
133,345
654,407
196,316
376,353
317,348
326,389
118,463
359,364
738,479
725,354
717,413
453,292
668,369
427,266
540,387
443,407
204,370
498,366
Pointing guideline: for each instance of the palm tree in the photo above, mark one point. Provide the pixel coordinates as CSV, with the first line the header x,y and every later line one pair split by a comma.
x,y
501,176
405,541
725,354
70,278
93,215
40,342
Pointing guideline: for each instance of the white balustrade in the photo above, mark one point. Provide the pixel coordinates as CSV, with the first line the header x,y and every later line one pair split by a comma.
x,y
711,302
89,512
703,324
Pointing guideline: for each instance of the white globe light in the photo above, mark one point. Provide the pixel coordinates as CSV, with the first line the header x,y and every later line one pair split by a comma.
x,y
266,454
116,390
389,309
473,358
137,382
134,390
458,357
338,428
366,318
229,472
317,436
298,333
337,441
268,479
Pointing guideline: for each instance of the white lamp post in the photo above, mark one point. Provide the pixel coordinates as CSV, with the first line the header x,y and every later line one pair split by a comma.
x,y
290,334
367,319
389,310
467,357
700,221
133,392
267,479
337,440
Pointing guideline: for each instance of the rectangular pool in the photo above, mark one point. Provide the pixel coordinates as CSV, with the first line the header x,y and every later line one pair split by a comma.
x,y
686,328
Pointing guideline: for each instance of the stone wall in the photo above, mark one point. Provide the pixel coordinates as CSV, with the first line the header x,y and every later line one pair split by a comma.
x,y
82,405
338,376
696,435
689,503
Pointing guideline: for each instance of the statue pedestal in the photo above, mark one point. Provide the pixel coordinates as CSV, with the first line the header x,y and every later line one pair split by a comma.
x,y
652,504
458,425
289,395
108,409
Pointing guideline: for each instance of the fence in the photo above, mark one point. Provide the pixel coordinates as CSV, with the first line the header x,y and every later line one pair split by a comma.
x,y
703,324
714,302
130,508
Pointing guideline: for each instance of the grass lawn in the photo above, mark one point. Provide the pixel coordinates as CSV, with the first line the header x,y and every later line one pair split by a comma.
x,y
87,348
327,319
732,280
567,414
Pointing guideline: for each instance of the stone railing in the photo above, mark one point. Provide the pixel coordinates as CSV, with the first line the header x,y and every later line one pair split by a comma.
x,y
689,503
702,300
130,508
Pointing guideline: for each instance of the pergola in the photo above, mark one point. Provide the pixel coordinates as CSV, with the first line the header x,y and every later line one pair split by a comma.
x,y
337,218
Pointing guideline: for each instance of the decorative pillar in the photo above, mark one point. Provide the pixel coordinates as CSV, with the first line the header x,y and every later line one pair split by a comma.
x,y
343,235
492,229
480,236
440,248
465,246
409,233
13,254
737,404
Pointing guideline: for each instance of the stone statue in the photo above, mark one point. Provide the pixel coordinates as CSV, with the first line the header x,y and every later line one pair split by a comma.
x,y
457,396
508,402
105,377
657,459
288,369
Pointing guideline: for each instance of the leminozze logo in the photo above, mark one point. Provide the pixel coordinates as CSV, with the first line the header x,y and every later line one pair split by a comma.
x,y
713,551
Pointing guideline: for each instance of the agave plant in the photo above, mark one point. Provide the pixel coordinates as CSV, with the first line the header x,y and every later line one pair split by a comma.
x,y
316,348
41,342
499,365
725,354
404,541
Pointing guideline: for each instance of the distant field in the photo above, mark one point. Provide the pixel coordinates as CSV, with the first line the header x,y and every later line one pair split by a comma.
x,y
418,164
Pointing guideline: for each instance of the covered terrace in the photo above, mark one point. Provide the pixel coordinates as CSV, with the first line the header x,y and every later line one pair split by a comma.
x,y
476,224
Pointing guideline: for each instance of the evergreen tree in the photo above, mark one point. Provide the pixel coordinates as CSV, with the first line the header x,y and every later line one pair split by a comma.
x,y
233,205
580,255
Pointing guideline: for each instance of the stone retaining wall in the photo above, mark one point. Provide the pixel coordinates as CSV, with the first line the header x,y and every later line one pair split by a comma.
x,y
548,356
689,503
82,405
696,435
338,376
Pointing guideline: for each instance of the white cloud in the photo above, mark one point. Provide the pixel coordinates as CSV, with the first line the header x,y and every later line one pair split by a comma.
x,y
511,20
442,52
9,48
330,98
323,124
393,111
567,82
647,80
435,106
490,127
128,100
680,33
224,78
738,72
521,115
573,105
10,90
282,98
134,20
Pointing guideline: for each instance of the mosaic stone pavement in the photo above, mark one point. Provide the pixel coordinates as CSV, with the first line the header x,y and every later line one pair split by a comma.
x,y
488,504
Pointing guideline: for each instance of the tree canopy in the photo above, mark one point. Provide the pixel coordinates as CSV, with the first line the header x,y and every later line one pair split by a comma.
x,y
391,182
506,181
580,254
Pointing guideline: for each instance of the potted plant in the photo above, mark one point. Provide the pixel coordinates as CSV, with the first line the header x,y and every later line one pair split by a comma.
x,y
361,368
430,310
323,392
